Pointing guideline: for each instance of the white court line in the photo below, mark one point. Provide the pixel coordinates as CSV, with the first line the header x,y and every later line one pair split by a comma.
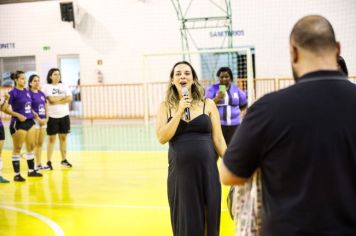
x,y
92,205
55,227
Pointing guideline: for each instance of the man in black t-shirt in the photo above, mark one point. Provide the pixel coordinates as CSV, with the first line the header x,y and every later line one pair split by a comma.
x,y
304,140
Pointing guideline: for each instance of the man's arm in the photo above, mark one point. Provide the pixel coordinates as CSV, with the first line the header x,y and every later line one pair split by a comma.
x,y
228,178
245,151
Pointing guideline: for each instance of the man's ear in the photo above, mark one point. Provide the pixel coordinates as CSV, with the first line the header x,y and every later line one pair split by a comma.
x,y
293,53
338,49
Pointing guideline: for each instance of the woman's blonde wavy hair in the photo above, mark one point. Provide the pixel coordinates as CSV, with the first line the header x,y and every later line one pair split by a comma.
x,y
172,95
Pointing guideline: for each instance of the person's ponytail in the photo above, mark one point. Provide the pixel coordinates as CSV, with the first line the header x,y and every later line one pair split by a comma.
x,y
15,75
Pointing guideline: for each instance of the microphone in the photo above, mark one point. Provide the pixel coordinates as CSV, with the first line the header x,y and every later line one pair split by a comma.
x,y
185,93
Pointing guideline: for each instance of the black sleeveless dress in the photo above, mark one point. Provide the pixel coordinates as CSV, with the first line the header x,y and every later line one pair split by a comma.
x,y
194,190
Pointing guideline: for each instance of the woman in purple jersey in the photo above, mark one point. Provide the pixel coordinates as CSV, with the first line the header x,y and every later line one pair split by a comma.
x,y
229,99
21,126
39,106
2,139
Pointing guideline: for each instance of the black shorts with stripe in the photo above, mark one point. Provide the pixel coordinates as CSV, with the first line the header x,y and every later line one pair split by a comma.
x,y
16,125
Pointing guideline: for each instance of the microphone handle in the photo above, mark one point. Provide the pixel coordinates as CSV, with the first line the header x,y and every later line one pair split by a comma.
x,y
187,114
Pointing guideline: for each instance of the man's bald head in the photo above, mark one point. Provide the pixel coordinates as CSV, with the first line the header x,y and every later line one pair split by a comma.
x,y
314,33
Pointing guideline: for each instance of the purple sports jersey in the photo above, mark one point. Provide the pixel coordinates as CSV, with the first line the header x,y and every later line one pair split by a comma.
x,y
21,102
229,106
38,103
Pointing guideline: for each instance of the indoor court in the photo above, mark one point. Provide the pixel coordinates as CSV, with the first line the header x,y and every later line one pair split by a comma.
x,y
114,65
107,192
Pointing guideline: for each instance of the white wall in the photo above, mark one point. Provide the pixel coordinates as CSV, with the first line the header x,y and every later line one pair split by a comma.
x,y
268,24
120,32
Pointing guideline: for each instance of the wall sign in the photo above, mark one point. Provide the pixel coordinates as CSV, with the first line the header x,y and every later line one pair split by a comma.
x,y
233,33
7,45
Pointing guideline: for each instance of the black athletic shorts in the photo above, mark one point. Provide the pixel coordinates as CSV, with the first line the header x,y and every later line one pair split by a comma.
x,y
2,133
26,125
58,125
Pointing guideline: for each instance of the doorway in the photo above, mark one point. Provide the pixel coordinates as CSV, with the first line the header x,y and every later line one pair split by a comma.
x,y
70,76
26,64
70,69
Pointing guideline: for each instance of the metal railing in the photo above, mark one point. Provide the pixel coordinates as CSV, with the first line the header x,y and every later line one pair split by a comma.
x,y
127,101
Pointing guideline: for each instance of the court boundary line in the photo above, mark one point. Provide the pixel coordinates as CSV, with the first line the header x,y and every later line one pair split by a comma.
x,y
53,225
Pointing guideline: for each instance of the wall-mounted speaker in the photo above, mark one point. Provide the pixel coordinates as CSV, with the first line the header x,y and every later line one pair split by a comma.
x,y
67,11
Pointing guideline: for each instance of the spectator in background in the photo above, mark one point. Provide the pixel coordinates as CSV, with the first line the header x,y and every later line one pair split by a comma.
x,y
21,125
229,99
76,92
59,96
76,103
304,140
39,106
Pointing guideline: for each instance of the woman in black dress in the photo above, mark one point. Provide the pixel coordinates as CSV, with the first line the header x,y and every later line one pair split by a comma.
x,y
194,190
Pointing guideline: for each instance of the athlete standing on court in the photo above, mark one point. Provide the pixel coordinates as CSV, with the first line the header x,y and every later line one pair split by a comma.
x,y
39,106
59,96
21,126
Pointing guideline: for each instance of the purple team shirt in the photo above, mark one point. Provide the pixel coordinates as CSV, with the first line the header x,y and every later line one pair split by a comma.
x,y
21,102
229,107
38,103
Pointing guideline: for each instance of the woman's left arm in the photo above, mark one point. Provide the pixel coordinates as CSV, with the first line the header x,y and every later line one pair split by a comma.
x,y
68,96
218,138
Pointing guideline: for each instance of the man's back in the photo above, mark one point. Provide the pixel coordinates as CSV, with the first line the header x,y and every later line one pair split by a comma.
x,y
304,140
309,157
